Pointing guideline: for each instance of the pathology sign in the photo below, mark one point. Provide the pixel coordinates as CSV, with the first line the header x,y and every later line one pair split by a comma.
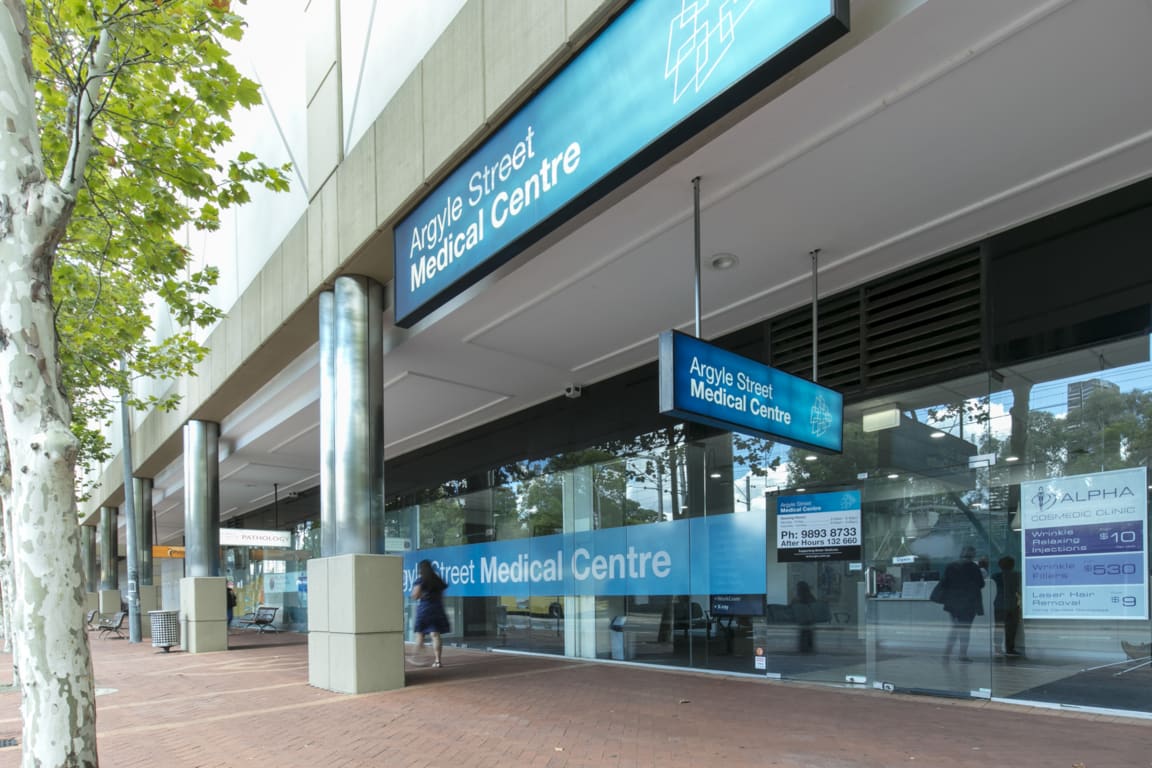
x,y
656,75
718,553
243,537
704,383
818,526
1085,546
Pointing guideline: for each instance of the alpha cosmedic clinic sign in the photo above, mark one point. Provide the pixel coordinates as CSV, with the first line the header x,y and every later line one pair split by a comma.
x,y
1085,546
657,74
704,383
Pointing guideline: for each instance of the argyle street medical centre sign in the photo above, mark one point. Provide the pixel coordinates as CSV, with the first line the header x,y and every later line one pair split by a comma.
x,y
659,73
703,383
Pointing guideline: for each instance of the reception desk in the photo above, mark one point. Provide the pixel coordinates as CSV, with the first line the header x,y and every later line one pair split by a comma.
x,y
913,622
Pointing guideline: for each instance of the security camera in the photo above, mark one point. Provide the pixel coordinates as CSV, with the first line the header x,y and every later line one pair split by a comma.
x,y
572,391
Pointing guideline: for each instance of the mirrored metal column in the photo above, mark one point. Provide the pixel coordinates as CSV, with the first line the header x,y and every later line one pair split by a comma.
x,y
354,392
109,567
327,431
88,556
142,487
201,498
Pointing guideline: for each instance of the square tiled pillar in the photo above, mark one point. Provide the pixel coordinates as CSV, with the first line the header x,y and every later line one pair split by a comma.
x,y
109,601
356,623
149,601
203,614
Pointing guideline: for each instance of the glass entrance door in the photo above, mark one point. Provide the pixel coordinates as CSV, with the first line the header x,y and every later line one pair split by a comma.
x,y
930,539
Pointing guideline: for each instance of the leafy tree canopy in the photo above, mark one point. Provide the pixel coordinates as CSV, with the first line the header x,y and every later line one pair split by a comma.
x,y
160,113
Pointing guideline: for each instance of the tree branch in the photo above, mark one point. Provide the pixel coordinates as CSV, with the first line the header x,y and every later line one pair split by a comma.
x,y
85,114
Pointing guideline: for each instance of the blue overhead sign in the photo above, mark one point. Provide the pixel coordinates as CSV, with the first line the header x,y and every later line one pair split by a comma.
x,y
704,383
656,75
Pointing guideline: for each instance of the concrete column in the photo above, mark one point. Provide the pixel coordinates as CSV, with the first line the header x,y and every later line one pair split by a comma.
x,y
88,557
142,492
149,601
203,614
202,499
355,598
109,554
357,415
356,623
109,601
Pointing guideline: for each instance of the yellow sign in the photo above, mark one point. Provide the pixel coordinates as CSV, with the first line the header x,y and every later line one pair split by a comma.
x,y
168,552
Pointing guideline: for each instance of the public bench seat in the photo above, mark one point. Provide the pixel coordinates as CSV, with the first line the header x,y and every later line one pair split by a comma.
x,y
261,619
112,625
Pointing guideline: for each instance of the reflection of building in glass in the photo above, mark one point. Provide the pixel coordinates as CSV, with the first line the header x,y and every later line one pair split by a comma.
x,y
1080,391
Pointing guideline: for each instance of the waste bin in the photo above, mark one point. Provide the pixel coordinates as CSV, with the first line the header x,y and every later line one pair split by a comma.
x,y
623,641
165,629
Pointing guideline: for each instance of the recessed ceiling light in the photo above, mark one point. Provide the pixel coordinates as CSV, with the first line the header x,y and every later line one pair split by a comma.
x,y
893,476
811,457
936,435
1011,458
715,475
723,261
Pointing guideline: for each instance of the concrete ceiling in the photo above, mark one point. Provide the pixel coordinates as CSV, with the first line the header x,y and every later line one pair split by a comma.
x,y
933,125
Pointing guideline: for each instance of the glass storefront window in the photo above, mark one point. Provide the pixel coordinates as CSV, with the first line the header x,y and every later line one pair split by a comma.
x,y
946,484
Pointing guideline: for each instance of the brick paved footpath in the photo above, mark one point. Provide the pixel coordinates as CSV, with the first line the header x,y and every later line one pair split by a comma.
x,y
252,705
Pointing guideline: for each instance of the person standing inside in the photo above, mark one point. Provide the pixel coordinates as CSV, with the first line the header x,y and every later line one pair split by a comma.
x,y
428,592
231,602
1006,604
802,612
963,585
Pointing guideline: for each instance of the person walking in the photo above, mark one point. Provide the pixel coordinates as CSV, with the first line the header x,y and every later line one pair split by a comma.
x,y
962,586
428,591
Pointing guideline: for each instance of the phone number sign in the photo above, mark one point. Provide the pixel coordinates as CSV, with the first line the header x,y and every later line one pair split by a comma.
x,y
818,526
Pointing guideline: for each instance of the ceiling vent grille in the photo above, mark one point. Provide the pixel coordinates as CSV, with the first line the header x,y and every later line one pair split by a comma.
x,y
790,339
911,326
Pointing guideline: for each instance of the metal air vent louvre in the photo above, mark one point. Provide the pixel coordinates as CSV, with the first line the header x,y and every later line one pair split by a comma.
x,y
791,341
920,323
923,321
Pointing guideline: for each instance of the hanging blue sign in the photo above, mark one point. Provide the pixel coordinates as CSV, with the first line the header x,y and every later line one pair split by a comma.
x,y
655,76
704,383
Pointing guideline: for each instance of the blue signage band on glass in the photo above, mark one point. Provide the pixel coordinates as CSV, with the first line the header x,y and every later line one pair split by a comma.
x,y
703,383
658,74
717,553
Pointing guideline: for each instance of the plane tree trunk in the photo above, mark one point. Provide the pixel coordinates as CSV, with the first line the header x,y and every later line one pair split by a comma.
x,y
47,600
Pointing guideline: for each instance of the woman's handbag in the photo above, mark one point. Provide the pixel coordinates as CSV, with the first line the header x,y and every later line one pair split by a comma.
x,y
937,595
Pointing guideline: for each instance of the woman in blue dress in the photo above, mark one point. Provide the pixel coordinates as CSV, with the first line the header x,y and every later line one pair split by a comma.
x,y
428,592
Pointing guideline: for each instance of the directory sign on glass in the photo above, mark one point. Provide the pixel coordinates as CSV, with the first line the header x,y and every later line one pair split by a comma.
x,y
657,74
1085,546
819,526
704,383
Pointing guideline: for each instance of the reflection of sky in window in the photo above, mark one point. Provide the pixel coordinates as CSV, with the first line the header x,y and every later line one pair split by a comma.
x,y
749,490
1050,396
